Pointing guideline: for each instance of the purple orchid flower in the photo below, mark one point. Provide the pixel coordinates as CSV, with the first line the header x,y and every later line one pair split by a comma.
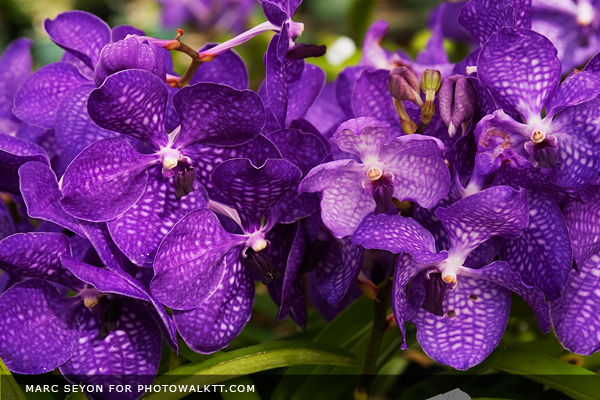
x,y
466,307
87,336
155,190
42,196
204,272
564,143
407,168
55,96
572,26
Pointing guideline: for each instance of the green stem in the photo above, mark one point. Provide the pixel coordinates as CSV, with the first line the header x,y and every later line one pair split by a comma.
x,y
421,127
377,332
177,45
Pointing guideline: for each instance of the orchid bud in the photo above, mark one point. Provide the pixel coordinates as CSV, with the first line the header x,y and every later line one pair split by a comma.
x,y
457,102
129,53
430,84
403,84
367,286
431,81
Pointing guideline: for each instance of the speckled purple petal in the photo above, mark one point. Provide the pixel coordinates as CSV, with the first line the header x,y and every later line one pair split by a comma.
x,y
7,226
397,234
583,223
274,12
574,315
542,254
516,14
190,262
221,317
288,6
130,53
254,190
499,210
362,136
228,68
344,88
577,88
485,253
120,32
526,78
338,270
500,139
577,131
80,65
475,316
129,355
276,82
290,277
115,261
37,255
344,203
37,327
103,280
139,231
15,152
41,195
80,33
371,98
37,98
304,149
499,273
404,309
132,102
206,158
420,173
108,252
303,93
15,67
326,114
217,115
74,128
446,14
105,180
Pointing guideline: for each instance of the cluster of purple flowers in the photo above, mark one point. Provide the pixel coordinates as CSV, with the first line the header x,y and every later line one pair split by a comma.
x,y
154,194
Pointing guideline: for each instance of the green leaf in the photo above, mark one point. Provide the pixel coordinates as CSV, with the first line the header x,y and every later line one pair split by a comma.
x,y
349,327
76,396
9,389
576,382
249,360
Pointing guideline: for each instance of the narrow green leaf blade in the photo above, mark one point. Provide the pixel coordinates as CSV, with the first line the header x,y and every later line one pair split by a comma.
x,y
249,360
9,389
576,382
